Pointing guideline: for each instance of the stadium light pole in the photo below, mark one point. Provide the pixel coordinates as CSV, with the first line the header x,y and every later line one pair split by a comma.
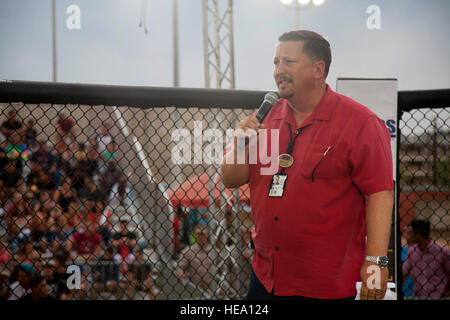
x,y
176,74
54,63
297,5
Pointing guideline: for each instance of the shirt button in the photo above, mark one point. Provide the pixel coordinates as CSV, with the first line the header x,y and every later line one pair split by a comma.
x,y
276,218
276,249
296,131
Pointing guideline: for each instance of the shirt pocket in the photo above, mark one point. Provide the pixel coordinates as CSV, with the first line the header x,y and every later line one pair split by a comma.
x,y
324,161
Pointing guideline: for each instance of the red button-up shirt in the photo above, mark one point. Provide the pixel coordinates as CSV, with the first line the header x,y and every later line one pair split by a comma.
x,y
311,241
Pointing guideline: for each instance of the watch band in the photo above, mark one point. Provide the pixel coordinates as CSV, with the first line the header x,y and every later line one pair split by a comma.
x,y
382,261
371,259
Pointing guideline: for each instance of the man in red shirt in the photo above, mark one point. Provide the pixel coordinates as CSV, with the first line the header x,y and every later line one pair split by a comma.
x,y
326,213
87,244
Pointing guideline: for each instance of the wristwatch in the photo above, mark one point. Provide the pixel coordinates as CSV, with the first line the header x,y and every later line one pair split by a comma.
x,y
382,261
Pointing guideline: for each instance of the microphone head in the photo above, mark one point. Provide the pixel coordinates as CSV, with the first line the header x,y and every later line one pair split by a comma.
x,y
271,97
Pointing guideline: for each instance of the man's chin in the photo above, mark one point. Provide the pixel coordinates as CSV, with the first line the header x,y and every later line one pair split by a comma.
x,y
285,94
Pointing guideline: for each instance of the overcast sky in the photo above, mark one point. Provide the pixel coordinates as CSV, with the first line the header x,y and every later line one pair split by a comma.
x,y
412,45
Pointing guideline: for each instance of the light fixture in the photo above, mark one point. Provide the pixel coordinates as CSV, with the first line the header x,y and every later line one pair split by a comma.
x,y
318,2
303,2
286,2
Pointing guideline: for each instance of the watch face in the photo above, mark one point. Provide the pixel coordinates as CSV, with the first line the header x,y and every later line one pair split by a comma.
x,y
383,261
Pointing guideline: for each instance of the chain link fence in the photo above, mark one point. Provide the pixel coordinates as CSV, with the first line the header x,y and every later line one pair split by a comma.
x,y
423,202
93,205
92,189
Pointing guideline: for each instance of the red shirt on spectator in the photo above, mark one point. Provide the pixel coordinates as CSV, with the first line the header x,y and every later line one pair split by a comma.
x,y
311,241
5,257
65,124
90,217
176,229
86,244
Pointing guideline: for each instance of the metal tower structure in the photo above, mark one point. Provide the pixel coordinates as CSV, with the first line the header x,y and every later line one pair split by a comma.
x,y
218,43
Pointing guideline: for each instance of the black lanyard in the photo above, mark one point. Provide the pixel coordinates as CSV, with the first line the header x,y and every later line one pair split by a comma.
x,y
292,142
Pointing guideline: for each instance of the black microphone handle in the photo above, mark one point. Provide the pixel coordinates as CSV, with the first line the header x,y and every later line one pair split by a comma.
x,y
261,115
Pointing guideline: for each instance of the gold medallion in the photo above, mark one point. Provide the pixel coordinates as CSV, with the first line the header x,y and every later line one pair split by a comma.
x,y
285,160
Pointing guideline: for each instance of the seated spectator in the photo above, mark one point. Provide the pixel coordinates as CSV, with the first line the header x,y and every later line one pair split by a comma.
x,y
46,182
44,250
21,286
18,217
142,275
81,155
104,138
74,214
12,124
38,179
92,159
65,129
39,289
5,290
60,276
81,160
87,244
30,135
25,252
197,262
109,154
90,191
124,238
110,177
89,212
66,162
53,228
124,242
106,276
11,175
55,174
38,224
64,195
45,197
67,294
5,255
43,155
78,182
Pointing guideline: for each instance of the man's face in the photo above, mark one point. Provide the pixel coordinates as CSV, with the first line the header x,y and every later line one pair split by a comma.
x,y
42,288
202,239
411,236
294,71
124,225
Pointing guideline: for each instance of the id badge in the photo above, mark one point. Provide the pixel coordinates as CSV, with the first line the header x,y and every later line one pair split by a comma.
x,y
277,185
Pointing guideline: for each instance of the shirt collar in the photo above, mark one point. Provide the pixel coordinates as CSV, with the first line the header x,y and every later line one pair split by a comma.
x,y
322,112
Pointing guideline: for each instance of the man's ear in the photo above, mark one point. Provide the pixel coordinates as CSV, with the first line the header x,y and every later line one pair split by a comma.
x,y
319,69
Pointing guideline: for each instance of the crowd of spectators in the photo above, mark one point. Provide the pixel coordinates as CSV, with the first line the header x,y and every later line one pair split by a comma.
x,y
54,196
55,212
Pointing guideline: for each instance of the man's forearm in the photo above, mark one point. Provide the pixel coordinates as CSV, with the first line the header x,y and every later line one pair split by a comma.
x,y
378,222
233,174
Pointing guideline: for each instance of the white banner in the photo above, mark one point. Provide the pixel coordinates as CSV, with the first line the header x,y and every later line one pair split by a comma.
x,y
380,96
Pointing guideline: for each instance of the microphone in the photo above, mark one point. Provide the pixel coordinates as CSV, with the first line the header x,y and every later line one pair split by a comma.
x,y
270,99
